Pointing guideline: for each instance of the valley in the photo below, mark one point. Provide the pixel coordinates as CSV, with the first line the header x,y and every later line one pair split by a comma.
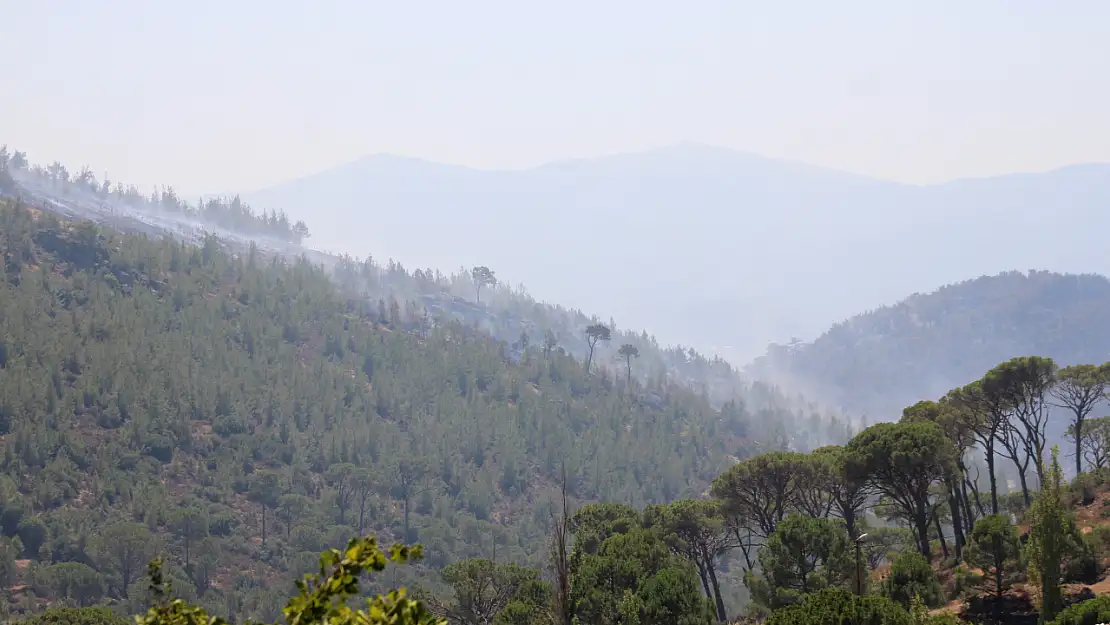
x,y
178,380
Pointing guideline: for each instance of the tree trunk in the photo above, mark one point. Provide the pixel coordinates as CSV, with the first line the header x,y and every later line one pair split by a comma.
x,y
940,535
850,523
978,504
406,520
704,580
922,523
746,549
1078,445
957,521
263,524
721,615
999,562
1024,484
994,482
965,502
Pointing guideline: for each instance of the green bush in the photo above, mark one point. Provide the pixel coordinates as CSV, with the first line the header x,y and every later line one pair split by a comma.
x,y
76,616
1098,541
1012,503
966,582
910,576
919,615
836,606
1084,488
1090,612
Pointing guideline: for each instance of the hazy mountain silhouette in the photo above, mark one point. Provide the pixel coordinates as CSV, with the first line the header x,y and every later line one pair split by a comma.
x,y
879,362
711,247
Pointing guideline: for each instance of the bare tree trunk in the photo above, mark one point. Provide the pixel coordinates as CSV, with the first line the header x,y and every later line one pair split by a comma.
x,y
1078,445
978,502
922,523
1024,485
704,580
721,615
561,565
957,521
994,481
940,535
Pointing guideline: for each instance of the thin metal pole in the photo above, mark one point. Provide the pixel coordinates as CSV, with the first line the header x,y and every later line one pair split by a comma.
x,y
859,572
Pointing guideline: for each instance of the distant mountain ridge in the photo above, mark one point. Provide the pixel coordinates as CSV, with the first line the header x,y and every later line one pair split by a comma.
x,y
879,362
722,250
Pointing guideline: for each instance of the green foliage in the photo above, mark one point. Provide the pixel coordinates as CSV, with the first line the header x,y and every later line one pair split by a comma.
x,y
904,460
76,616
1053,538
71,581
836,606
1095,443
483,590
885,544
911,577
1079,388
919,615
846,482
322,598
623,572
993,546
694,529
803,555
761,490
1090,612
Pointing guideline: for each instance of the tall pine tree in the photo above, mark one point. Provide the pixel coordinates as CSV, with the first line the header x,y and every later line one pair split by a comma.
x,y
1049,537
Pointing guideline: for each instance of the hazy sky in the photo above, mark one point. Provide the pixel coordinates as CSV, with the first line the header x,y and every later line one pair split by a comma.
x,y
236,94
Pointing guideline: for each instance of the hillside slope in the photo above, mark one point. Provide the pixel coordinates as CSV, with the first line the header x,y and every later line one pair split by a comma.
x,y
506,312
881,361
718,249
241,413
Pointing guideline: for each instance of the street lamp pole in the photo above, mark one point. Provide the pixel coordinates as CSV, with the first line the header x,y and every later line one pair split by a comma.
x,y
859,565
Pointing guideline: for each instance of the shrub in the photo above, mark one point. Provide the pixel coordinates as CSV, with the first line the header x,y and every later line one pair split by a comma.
x,y
76,616
919,615
1089,612
324,598
912,576
836,606
966,582
1098,541
993,546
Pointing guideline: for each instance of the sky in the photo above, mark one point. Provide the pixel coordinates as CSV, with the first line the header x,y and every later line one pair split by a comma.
x,y
219,96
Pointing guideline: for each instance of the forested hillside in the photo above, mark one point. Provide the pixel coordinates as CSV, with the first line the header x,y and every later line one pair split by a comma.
x,y
235,413
230,213
877,362
474,297
241,413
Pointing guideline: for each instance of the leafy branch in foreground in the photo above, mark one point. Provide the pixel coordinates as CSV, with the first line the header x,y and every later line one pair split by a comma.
x,y
323,597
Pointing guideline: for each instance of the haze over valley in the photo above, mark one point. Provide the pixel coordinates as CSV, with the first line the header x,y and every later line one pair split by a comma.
x,y
718,249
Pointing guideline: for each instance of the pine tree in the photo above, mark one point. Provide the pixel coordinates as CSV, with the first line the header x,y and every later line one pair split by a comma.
x,y
1049,537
